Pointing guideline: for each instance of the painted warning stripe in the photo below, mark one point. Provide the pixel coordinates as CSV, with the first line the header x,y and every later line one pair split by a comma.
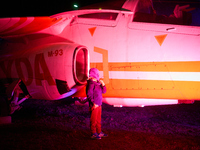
x,y
153,89
126,88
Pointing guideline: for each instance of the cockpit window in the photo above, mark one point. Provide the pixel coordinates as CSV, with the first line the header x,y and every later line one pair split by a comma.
x,y
145,12
154,18
104,15
145,6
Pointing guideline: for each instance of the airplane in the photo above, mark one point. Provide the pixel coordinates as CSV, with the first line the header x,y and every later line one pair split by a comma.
x,y
144,58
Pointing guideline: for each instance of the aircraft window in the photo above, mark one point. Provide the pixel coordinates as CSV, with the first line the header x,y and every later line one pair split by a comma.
x,y
144,17
145,6
145,12
105,16
153,18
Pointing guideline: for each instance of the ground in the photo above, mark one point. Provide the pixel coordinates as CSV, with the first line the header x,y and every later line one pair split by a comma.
x,y
63,125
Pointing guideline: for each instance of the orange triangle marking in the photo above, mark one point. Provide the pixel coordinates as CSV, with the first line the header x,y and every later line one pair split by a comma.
x,y
160,38
92,30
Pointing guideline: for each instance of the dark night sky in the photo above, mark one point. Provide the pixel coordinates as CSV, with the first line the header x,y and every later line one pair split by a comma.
x,y
10,8
20,8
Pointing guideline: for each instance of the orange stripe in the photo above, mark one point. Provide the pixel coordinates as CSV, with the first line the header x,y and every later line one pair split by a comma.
x,y
127,88
181,90
189,66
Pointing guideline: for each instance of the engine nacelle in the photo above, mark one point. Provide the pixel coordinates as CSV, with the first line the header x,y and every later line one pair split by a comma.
x,y
51,71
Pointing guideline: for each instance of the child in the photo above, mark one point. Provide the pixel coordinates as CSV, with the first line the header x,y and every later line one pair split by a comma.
x,y
94,90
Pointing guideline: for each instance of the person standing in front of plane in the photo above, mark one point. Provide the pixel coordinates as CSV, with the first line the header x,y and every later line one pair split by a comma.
x,y
94,90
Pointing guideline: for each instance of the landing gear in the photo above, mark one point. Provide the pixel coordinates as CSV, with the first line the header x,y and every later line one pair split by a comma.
x,y
14,94
10,101
15,104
